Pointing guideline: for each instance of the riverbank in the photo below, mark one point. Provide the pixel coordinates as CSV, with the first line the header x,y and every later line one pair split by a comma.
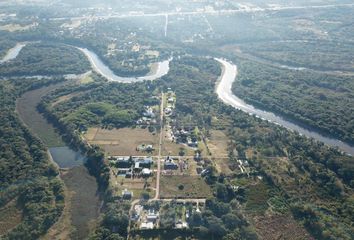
x,y
82,201
225,94
13,52
159,69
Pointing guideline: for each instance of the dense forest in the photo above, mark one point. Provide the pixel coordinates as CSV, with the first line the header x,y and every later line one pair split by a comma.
x,y
323,101
27,176
46,59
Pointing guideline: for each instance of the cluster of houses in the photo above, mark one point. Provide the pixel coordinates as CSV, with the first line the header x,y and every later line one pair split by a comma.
x,y
148,117
132,167
148,219
170,102
184,135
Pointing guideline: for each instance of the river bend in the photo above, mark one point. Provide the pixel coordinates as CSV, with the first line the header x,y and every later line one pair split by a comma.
x,y
224,92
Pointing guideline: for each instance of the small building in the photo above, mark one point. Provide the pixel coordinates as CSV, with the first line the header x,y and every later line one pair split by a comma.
x,y
152,216
146,172
146,225
145,162
169,165
127,195
197,157
124,162
137,166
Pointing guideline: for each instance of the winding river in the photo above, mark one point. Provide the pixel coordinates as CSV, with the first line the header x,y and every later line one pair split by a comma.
x,y
96,63
223,90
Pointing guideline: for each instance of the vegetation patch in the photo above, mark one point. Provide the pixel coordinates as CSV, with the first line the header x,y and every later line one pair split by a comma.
x,y
10,216
184,187
123,141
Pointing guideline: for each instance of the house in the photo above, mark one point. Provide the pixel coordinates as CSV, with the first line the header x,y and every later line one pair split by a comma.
x,y
124,162
149,112
181,224
146,225
192,143
137,166
170,100
152,216
197,157
168,111
127,195
146,172
145,162
169,165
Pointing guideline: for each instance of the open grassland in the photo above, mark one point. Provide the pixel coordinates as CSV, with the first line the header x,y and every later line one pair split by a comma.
x,y
279,227
184,187
257,196
121,141
135,185
10,216
217,145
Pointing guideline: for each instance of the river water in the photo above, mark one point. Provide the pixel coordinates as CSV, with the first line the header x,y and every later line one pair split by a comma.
x,y
13,52
223,90
96,63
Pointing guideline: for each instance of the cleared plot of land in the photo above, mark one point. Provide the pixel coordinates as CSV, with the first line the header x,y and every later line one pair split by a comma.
x,y
67,97
135,185
10,217
17,27
122,141
279,227
217,145
184,187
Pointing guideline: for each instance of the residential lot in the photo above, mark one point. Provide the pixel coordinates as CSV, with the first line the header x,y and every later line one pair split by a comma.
x,y
184,187
123,142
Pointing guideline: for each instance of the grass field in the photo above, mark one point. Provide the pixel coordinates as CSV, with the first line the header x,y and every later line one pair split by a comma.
x,y
10,216
217,144
122,141
136,185
257,196
279,227
184,187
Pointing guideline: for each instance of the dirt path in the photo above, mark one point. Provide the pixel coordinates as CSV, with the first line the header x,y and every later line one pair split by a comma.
x,y
157,196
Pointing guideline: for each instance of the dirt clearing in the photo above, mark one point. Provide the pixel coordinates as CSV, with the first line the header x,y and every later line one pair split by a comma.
x,y
122,142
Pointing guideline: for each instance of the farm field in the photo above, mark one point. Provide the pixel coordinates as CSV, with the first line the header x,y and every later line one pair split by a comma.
x,y
122,142
184,187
